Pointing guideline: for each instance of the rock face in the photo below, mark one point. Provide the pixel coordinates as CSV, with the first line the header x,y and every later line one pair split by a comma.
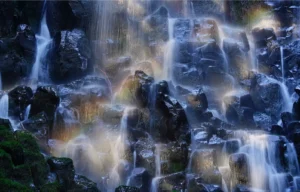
x,y
22,165
19,99
70,56
157,26
239,168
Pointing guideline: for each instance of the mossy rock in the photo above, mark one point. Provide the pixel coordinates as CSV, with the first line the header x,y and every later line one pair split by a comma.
x,y
15,150
31,157
6,135
5,128
27,141
40,171
51,187
13,186
22,174
6,164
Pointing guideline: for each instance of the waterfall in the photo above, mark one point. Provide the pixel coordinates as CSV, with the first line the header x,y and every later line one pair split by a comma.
x,y
27,111
287,101
43,39
282,63
4,106
266,171
168,51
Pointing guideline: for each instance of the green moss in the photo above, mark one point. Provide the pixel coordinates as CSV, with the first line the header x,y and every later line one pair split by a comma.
x,y
6,164
4,128
39,172
27,141
176,167
15,150
22,174
51,187
12,186
6,135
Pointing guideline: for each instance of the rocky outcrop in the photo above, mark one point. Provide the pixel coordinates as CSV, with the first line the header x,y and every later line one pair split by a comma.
x,y
70,57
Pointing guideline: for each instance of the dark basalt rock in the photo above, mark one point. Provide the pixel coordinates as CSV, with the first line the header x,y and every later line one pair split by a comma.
x,y
266,95
140,178
158,25
69,59
84,184
203,160
238,163
175,181
124,188
19,99
26,38
64,170
44,99
262,36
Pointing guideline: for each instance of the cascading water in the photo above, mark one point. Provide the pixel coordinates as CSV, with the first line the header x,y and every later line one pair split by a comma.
x,y
27,111
169,50
282,63
4,106
42,45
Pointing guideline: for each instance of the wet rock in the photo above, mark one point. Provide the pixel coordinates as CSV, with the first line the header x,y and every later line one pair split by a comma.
x,y
206,30
13,64
296,109
39,126
241,188
69,59
45,99
212,51
207,8
145,155
277,130
136,89
124,188
182,29
157,25
171,182
84,184
195,186
266,95
293,131
262,36
19,98
237,59
262,120
203,160
117,68
187,75
64,170
238,163
215,77
85,97
26,38
140,178
246,101
286,118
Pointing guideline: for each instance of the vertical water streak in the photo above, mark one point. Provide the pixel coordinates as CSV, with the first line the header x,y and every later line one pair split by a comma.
x,y
27,111
157,161
43,39
4,104
282,63
265,169
168,51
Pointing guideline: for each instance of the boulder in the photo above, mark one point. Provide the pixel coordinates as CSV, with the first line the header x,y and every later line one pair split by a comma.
x,y
203,160
172,182
45,99
64,170
124,188
19,99
157,25
26,38
239,167
267,95
70,57
84,184
262,36
140,178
